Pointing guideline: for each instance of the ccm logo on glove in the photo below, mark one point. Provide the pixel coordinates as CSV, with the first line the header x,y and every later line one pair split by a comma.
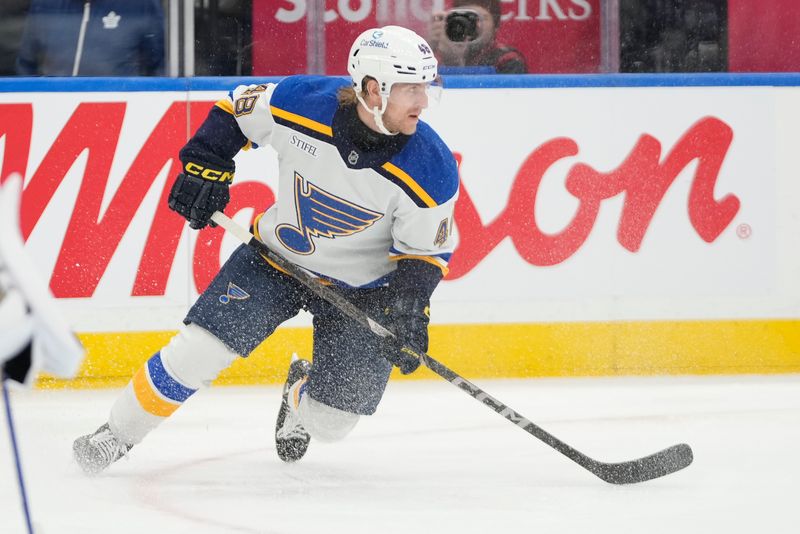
x,y
201,190
214,175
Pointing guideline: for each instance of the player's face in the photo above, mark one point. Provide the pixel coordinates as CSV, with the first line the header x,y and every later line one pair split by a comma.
x,y
405,104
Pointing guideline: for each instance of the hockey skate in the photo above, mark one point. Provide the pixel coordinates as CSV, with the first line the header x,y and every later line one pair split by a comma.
x,y
95,452
291,439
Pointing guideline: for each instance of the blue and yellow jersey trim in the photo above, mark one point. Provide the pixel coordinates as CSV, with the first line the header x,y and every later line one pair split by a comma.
x,y
307,104
225,105
293,120
412,188
425,169
439,260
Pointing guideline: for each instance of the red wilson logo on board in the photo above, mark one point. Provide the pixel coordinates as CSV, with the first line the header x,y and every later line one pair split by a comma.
x,y
644,176
92,236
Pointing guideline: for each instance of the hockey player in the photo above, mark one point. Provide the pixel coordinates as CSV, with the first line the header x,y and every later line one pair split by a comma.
x,y
33,334
365,202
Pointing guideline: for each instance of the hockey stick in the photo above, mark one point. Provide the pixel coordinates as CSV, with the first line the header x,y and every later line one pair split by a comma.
x,y
656,465
14,447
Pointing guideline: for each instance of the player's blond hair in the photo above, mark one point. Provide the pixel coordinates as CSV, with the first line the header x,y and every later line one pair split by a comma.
x,y
347,95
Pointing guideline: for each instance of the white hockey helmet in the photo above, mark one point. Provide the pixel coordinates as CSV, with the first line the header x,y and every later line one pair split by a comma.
x,y
391,55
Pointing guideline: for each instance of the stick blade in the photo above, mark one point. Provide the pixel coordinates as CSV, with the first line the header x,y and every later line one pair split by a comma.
x,y
656,465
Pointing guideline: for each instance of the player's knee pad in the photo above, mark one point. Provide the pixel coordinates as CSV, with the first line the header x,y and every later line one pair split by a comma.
x,y
323,422
194,357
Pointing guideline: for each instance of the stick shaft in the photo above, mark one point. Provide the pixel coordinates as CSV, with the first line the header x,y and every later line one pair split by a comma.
x,y
18,464
622,473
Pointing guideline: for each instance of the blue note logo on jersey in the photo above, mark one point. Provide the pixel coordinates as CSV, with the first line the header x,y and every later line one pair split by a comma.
x,y
234,293
321,214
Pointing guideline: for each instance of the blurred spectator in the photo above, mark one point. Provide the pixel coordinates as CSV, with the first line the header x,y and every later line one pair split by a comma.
x,y
484,51
93,38
12,21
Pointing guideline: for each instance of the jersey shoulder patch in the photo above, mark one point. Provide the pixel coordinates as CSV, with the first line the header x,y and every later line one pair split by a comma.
x,y
306,103
425,169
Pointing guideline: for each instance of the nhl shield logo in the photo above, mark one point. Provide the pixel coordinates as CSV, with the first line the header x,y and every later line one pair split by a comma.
x,y
234,293
353,157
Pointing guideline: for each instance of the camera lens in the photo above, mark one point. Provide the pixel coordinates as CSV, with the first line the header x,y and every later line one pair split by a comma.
x,y
462,25
457,28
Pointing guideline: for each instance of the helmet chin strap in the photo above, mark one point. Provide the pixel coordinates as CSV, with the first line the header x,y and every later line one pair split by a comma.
x,y
377,113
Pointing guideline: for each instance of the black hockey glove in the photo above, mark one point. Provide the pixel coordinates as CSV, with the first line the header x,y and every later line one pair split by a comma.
x,y
407,312
408,317
202,188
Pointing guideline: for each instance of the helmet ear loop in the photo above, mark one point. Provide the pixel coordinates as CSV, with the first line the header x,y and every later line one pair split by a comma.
x,y
377,113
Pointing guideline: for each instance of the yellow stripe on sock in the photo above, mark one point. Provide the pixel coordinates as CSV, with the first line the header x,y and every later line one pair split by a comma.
x,y
148,398
296,392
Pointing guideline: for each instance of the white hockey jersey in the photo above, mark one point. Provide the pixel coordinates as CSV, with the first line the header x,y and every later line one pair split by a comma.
x,y
334,216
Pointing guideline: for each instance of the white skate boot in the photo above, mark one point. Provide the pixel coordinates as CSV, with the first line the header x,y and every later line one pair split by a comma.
x,y
95,452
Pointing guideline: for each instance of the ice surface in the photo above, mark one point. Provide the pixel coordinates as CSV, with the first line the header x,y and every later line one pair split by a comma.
x,y
431,460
